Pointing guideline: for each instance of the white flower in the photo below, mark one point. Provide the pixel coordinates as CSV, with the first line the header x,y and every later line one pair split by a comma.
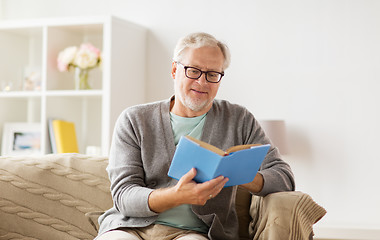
x,y
86,57
66,57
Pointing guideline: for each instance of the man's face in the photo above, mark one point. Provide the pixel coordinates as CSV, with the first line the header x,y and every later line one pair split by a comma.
x,y
194,97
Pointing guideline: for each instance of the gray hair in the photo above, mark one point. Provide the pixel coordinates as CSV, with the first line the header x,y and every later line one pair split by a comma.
x,y
198,40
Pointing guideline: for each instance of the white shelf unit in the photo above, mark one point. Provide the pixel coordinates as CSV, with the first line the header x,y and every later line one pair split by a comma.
x,y
117,84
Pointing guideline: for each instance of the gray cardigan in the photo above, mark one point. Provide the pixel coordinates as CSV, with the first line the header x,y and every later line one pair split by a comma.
x,y
140,156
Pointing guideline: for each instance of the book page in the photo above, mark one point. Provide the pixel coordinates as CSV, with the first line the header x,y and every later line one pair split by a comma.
x,y
240,147
207,146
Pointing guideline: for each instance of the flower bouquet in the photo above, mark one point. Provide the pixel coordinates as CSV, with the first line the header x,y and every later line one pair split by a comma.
x,y
83,59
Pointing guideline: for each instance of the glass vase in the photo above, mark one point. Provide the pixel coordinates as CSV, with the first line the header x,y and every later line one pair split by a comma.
x,y
81,79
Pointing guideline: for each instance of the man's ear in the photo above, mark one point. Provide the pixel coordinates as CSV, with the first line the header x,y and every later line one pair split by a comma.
x,y
174,69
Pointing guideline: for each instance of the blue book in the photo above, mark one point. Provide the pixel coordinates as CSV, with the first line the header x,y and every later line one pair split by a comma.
x,y
239,163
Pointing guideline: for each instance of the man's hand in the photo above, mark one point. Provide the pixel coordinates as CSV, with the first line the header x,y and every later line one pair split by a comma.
x,y
256,185
198,194
186,191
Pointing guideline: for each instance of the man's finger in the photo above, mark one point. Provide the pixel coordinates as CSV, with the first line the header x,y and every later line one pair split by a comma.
x,y
189,175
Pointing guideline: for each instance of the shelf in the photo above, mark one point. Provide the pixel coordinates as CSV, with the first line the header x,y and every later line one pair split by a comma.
x,y
58,93
74,93
35,45
20,94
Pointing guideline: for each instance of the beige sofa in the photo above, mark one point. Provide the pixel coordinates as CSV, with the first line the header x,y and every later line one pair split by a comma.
x,y
60,196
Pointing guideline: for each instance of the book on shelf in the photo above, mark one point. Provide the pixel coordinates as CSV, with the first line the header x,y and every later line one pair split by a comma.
x,y
51,136
239,163
62,136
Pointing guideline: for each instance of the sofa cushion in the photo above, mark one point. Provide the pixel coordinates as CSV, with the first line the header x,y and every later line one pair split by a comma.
x,y
243,203
47,197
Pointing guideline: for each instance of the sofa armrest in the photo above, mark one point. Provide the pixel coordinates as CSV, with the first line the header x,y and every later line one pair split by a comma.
x,y
284,215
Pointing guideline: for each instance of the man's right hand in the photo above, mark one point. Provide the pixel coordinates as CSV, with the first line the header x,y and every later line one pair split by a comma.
x,y
186,191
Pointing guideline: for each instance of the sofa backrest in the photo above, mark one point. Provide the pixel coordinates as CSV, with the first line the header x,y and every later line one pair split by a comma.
x,y
46,197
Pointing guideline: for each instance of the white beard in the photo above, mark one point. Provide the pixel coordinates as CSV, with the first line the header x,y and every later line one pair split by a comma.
x,y
195,105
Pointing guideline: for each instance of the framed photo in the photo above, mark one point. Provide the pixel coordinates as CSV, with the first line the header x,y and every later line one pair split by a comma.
x,y
21,139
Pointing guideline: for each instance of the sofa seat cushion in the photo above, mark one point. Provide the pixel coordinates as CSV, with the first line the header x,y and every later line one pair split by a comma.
x,y
47,197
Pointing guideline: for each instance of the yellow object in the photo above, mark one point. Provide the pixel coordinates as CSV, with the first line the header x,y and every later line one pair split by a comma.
x,y
65,137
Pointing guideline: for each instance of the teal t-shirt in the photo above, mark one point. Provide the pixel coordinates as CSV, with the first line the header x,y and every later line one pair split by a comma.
x,y
183,126
182,216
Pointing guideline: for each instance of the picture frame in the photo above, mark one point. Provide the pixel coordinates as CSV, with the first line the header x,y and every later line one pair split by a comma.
x,y
20,138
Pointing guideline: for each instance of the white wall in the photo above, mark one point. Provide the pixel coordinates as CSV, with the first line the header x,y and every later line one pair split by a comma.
x,y
315,64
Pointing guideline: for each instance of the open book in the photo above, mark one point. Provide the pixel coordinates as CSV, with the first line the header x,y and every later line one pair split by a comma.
x,y
239,163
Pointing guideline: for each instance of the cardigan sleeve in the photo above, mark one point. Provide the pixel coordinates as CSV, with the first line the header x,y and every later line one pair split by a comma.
x,y
129,191
277,174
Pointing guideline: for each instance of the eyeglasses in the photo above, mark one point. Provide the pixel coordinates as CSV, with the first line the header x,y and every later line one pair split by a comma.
x,y
196,73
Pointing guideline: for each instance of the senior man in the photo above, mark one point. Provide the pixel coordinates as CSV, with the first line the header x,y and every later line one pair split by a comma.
x,y
150,205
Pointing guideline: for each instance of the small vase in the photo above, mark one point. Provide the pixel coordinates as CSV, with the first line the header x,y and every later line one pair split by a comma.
x,y
81,79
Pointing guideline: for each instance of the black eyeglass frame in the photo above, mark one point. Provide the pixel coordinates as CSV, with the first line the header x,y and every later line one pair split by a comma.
x,y
205,72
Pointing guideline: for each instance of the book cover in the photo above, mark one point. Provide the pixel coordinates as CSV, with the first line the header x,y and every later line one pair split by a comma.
x,y
239,163
53,145
65,136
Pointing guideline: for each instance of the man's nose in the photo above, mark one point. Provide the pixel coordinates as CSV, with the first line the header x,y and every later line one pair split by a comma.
x,y
202,79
